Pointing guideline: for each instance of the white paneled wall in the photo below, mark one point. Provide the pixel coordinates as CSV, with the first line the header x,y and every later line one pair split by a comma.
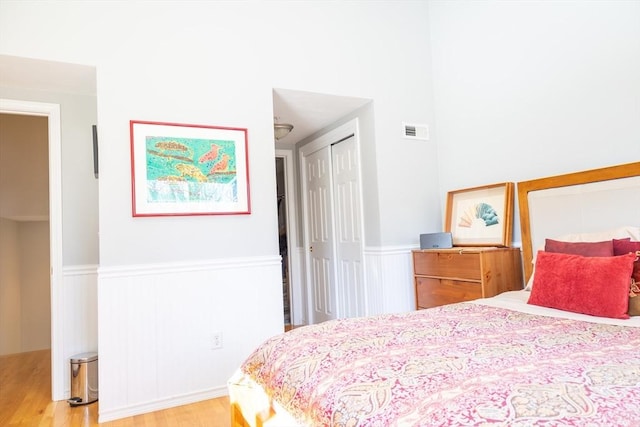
x,y
389,279
79,316
156,324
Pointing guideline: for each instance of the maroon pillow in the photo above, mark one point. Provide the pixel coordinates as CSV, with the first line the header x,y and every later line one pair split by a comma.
x,y
598,286
622,247
626,239
580,248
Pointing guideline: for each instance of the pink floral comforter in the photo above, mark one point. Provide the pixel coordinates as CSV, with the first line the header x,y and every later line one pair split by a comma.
x,y
456,365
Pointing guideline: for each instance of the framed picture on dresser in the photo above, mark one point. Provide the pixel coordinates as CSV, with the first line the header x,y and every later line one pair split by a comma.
x,y
481,216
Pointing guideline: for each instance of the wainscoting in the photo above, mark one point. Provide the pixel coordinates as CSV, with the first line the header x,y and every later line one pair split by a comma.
x,y
77,316
157,326
389,278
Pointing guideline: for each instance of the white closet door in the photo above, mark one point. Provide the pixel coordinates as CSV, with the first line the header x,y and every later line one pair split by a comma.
x,y
351,298
320,233
334,231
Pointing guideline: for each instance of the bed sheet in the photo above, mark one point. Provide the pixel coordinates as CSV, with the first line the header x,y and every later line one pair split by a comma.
x,y
517,300
512,364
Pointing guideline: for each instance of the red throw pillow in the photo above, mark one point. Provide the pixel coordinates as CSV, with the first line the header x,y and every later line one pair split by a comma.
x,y
598,286
580,248
621,247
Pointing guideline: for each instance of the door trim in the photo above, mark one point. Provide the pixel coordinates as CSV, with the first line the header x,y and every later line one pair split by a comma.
x,y
52,112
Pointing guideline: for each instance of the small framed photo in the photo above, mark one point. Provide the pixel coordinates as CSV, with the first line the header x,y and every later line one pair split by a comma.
x,y
481,216
180,169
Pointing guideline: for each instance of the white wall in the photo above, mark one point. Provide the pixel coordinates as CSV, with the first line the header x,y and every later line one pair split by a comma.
x,y
534,88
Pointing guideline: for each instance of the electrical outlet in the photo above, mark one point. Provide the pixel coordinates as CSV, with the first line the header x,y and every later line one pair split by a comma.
x,y
216,340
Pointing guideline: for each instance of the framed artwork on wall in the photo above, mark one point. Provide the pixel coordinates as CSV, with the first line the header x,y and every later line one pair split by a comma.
x,y
180,169
481,216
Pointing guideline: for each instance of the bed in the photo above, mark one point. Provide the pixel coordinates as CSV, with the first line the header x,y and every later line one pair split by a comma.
x,y
495,361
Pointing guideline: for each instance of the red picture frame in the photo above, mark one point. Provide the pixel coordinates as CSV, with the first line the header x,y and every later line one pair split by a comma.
x,y
184,169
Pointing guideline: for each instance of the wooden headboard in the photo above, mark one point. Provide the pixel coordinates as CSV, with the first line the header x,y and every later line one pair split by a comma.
x,y
592,200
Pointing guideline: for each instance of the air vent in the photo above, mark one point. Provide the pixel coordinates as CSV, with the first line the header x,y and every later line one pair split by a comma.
x,y
413,131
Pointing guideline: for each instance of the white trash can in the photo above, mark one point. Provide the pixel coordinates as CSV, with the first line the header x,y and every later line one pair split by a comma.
x,y
84,379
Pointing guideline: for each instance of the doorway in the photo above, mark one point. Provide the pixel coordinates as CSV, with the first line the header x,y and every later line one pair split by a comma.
x,y
311,113
25,314
52,114
283,242
293,294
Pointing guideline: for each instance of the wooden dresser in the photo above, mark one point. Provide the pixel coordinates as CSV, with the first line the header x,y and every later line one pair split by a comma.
x,y
446,276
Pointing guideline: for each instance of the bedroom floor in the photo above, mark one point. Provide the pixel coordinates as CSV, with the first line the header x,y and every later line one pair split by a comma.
x,y
25,400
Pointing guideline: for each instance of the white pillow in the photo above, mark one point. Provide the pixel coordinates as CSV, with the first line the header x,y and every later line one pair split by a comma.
x,y
599,236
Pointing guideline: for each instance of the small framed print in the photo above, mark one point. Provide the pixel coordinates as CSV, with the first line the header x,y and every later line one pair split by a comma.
x,y
481,216
180,169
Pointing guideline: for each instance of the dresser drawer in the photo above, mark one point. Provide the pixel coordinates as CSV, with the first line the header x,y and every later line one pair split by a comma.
x,y
448,264
434,292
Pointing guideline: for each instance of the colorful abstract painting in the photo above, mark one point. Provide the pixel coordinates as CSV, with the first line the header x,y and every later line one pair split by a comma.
x,y
188,170
184,169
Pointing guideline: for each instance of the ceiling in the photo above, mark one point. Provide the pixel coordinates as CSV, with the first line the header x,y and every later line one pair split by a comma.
x,y
309,112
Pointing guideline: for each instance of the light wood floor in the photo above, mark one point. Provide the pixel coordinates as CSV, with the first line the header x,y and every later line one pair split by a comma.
x,y
25,400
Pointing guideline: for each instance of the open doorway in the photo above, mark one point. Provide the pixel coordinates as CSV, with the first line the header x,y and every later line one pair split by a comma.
x,y
292,292
283,242
51,116
25,311
309,113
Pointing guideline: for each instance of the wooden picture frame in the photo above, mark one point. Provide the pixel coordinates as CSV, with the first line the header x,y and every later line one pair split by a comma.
x,y
180,169
582,179
481,216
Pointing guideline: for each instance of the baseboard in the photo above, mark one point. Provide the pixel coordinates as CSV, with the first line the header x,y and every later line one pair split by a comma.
x,y
159,405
